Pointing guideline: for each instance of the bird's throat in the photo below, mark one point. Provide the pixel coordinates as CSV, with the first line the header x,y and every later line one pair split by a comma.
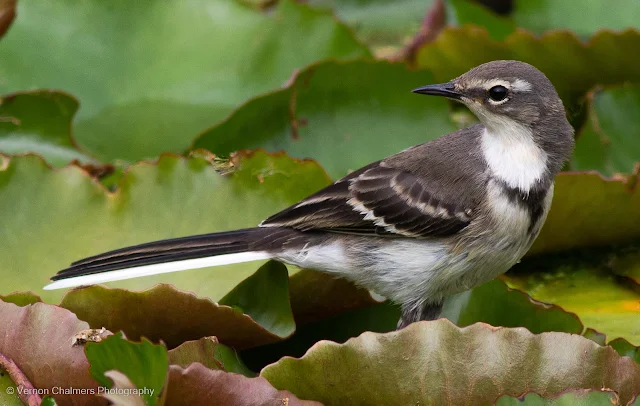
x,y
513,156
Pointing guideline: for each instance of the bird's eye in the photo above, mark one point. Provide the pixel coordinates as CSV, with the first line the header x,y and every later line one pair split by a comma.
x,y
498,93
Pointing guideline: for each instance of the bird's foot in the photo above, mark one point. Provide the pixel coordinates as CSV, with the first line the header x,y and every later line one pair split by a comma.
x,y
427,311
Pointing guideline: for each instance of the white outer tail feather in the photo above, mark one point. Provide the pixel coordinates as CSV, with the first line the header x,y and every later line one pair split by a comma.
x,y
155,269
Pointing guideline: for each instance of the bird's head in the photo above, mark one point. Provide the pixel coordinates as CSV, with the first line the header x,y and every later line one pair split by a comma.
x,y
501,91
512,97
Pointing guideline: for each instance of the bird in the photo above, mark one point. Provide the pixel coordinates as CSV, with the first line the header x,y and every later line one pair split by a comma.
x,y
431,221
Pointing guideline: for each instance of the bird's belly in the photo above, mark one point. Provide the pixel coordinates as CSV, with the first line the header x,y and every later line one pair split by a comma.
x,y
498,241
410,270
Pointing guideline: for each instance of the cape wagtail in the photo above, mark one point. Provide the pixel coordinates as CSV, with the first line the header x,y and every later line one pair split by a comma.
x,y
433,220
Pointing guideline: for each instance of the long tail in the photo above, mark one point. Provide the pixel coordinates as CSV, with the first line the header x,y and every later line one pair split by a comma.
x,y
178,254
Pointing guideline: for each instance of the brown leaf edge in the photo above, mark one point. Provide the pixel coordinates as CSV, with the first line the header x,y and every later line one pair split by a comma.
x,y
95,169
623,373
28,394
38,339
221,165
194,384
22,298
579,392
7,15
152,323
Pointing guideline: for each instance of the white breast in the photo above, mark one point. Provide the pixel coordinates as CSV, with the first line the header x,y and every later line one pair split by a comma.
x,y
512,155
509,221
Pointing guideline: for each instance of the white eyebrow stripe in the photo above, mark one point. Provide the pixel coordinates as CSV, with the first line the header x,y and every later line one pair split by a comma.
x,y
518,85
486,84
521,85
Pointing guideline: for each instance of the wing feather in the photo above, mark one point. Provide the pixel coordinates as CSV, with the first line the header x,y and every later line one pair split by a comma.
x,y
380,200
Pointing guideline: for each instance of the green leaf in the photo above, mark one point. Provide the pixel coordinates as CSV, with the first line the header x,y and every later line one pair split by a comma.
x,y
148,313
626,349
582,283
461,12
331,296
39,342
197,385
21,298
596,336
48,401
573,66
385,25
124,392
202,351
210,353
435,360
8,397
584,18
364,113
495,304
589,210
626,264
610,141
231,361
52,218
264,296
339,328
40,122
582,397
622,346
144,363
166,71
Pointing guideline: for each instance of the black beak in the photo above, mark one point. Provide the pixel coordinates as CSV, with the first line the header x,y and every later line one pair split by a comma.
x,y
444,89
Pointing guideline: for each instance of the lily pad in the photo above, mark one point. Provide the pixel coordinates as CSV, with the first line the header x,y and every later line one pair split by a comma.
x,y
264,297
21,298
196,385
596,336
429,361
584,19
385,25
202,351
42,210
48,401
38,339
496,304
166,71
626,263
461,12
317,296
381,318
590,210
6,396
370,112
492,303
40,122
582,283
210,353
166,314
582,397
610,140
144,363
625,348
124,392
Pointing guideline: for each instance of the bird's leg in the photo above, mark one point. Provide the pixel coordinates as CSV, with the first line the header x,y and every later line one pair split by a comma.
x,y
425,311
